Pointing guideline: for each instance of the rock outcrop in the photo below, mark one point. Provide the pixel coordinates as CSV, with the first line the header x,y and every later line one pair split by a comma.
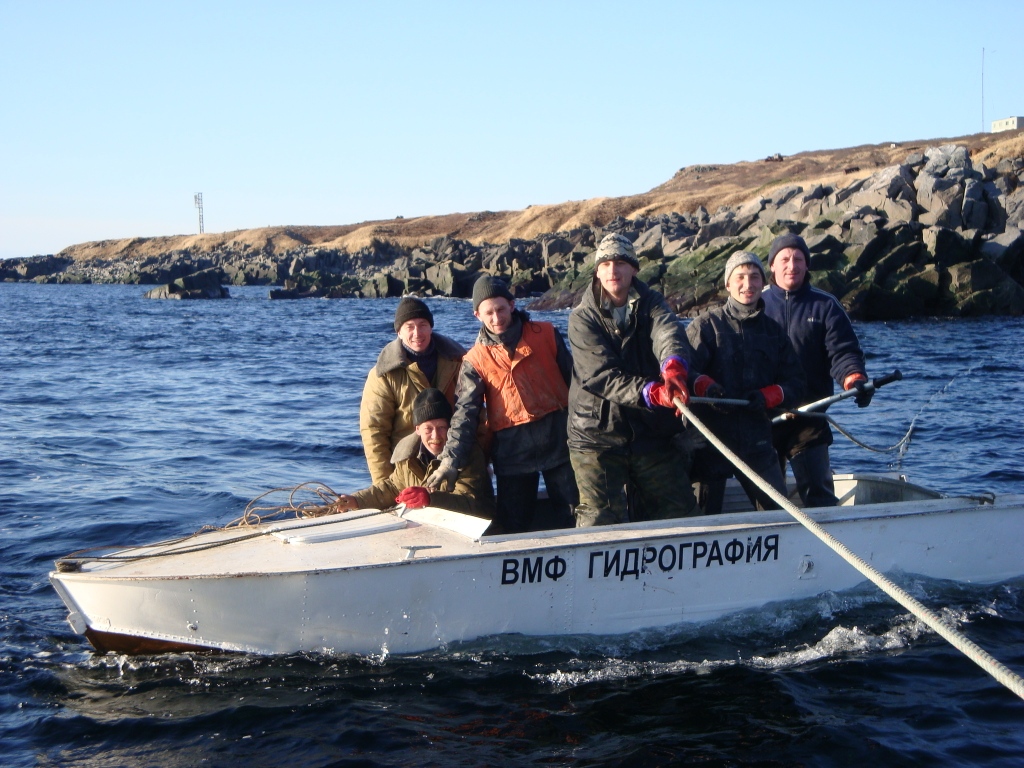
x,y
199,285
937,233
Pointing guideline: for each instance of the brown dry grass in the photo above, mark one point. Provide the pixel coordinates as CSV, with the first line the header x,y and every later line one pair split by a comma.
x,y
689,188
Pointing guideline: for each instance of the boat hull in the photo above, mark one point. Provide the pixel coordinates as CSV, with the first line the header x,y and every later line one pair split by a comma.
x,y
601,581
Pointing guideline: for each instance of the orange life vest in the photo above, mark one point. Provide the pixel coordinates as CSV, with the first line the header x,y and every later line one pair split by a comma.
x,y
528,386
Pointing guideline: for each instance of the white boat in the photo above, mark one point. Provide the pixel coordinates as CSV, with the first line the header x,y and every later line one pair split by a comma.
x,y
372,582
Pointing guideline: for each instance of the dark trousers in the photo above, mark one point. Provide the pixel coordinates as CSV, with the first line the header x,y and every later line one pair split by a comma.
x,y
764,463
813,474
804,443
516,504
660,481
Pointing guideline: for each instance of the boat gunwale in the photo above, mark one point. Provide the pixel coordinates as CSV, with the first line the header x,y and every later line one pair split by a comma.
x,y
556,539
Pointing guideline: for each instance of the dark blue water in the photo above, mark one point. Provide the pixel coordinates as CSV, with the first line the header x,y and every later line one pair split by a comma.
x,y
125,420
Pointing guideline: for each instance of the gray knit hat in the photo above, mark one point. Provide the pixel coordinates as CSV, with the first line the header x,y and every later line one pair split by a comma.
x,y
740,258
788,240
411,308
430,404
616,247
489,287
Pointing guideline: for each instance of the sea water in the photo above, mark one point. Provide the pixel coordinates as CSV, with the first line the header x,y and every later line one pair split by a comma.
x,y
126,420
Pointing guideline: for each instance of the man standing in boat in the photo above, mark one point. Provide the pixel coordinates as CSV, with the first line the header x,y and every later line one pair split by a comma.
x,y
827,346
742,354
520,369
419,358
415,457
629,362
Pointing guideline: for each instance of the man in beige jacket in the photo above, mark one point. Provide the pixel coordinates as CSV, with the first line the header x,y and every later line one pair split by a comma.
x,y
419,358
415,457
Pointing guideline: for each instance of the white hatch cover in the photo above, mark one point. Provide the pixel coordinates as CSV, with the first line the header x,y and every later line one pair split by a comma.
x,y
346,528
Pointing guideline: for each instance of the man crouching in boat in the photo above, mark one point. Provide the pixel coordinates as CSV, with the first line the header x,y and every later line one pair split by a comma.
x,y
742,354
629,363
415,457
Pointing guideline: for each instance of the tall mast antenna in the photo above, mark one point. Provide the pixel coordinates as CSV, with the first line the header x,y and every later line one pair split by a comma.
x,y
199,205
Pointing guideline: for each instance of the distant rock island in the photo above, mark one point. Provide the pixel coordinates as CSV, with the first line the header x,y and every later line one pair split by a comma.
x,y
895,231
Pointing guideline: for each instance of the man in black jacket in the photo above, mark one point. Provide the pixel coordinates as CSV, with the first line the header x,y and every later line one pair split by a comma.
x,y
743,354
629,362
827,346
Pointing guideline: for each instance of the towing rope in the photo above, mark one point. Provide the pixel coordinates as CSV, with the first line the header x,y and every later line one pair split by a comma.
x,y
961,642
904,441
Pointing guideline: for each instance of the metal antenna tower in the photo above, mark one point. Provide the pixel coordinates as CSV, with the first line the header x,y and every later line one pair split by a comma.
x,y
199,205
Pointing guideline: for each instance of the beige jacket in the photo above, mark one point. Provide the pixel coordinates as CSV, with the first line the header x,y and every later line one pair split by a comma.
x,y
385,413
473,494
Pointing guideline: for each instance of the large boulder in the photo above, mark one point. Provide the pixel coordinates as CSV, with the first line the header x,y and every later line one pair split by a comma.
x,y
974,211
942,201
1006,250
1013,204
648,244
982,288
205,284
890,192
946,246
948,161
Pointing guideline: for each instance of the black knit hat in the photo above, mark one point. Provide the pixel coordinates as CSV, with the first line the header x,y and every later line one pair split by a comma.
x,y
788,240
430,404
489,287
411,308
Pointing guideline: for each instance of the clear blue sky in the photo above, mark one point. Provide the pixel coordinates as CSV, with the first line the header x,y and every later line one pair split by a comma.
x,y
115,114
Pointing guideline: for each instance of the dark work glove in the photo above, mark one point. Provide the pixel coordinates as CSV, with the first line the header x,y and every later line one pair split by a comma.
x,y
864,394
859,381
705,386
755,401
715,390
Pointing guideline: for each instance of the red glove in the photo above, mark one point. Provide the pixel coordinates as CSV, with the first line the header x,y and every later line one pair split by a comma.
x,y
673,373
773,396
414,497
705,386
656,393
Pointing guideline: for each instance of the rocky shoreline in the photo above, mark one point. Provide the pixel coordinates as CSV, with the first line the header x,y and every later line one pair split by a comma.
x,y
934,235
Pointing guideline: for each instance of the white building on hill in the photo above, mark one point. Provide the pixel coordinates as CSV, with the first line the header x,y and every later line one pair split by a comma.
x,y
1007,124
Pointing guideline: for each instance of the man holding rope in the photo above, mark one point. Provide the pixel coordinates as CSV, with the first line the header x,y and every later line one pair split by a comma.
x,y
629,363
828,349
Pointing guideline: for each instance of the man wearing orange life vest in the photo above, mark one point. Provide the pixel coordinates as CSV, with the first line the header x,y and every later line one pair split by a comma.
x,y
521,370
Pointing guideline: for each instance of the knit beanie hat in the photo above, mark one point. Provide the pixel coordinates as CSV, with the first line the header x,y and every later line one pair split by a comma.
x,y
489,287
788,240
430,404
740,258
614,246
411,308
